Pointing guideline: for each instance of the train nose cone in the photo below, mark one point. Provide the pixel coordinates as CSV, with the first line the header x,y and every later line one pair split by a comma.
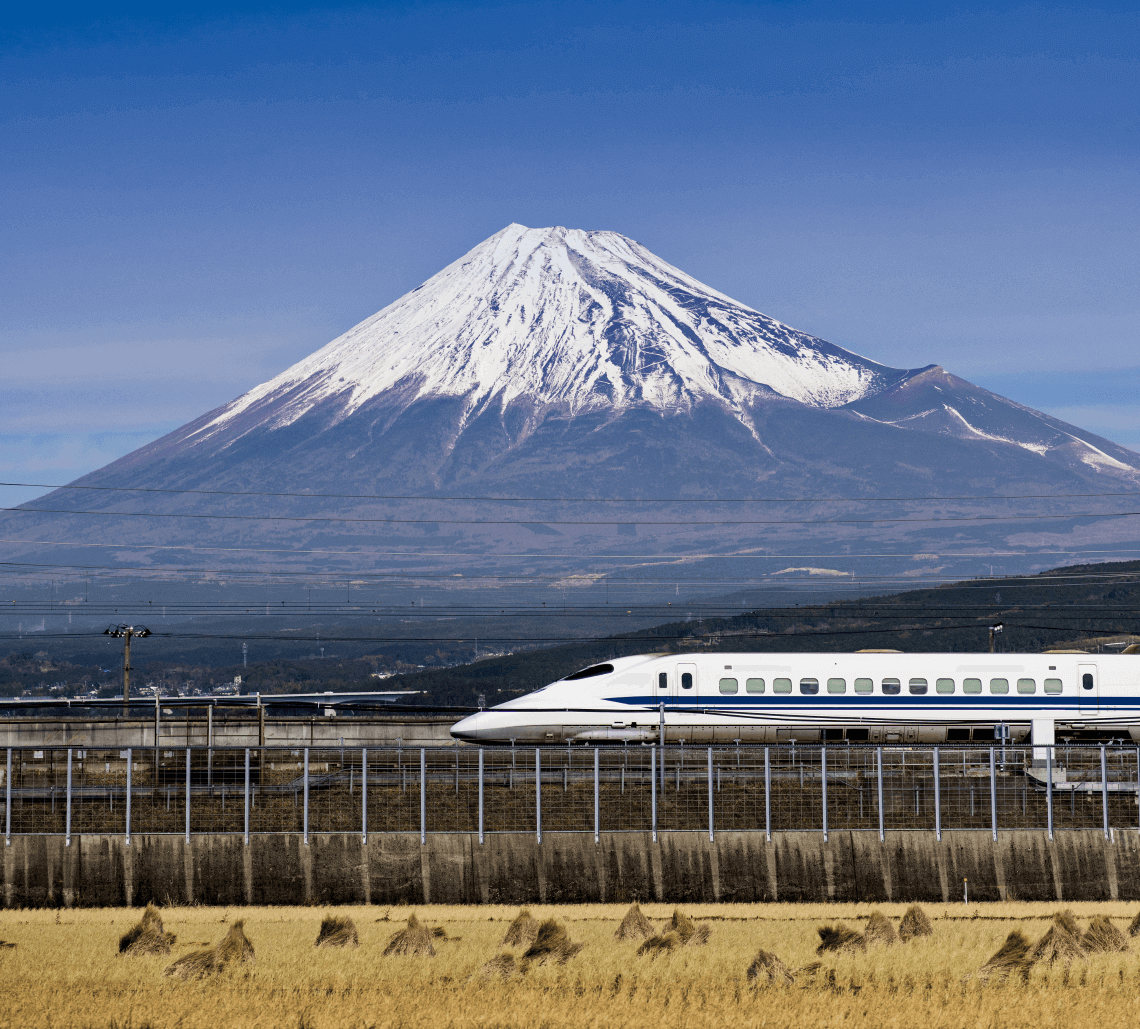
x,y
467,729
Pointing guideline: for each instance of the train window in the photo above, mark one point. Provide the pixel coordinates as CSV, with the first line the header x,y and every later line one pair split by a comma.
x,y
662,680
686,680
999,685
1052,685
917,686
971,685
864,686
1087,680
728,685
781,685
944,686
836,685
1026,686
892,687
754,685
589,673
809,686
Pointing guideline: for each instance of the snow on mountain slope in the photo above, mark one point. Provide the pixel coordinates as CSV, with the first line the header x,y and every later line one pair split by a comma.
x,y
561,317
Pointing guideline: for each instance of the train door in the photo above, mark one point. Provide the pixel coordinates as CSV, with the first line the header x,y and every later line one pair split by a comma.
x,y
685,688
1088,689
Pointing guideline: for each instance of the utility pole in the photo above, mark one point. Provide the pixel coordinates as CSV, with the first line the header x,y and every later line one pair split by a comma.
x,y
244,663
994,630
126,632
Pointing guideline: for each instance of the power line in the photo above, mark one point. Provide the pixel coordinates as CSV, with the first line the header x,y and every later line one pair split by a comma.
x,y
552,521
568,500
660,558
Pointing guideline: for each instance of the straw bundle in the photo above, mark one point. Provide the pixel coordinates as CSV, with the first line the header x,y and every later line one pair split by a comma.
x,y
1102,937
147,937
768,970
660,944
413,940
635,926
1067,921
691,933
1058,946
337,931
522,931
914,924
839,937
880,932
234,948
1134,926
551,944
503,966
1012,959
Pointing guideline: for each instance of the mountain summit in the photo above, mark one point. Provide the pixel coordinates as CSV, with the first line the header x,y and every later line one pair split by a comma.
x,y
567,319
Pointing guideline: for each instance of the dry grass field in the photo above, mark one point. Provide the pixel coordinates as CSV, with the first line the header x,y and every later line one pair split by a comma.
x,y
65,971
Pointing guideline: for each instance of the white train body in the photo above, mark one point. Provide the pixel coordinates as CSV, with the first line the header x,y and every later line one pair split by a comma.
x,y
811,698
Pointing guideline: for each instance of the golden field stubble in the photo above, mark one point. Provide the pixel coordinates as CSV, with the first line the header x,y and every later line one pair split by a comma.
x,y
66,972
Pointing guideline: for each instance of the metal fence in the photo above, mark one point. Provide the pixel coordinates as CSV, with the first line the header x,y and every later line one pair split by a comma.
x,y
72,791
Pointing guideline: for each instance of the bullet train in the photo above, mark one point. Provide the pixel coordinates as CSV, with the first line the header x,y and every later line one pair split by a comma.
x,y
866,697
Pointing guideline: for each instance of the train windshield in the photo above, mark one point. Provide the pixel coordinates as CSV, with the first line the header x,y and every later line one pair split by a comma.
x,y
589,673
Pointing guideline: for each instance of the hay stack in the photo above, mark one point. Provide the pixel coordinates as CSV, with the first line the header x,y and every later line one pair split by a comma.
x,y
635,926
503,967
337,931
1058,946
914,924
1102,937
839,937
1013,958
690,933
235,948
1067,921
551,944
413,940
661,944
522,931
880,932
147,937
768,970
1134,926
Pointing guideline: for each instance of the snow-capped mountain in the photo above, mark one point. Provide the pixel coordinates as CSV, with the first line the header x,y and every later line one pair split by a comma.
x,y
557,363
581,321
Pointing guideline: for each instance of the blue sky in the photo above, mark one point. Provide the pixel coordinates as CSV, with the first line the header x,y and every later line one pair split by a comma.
x,y
196,199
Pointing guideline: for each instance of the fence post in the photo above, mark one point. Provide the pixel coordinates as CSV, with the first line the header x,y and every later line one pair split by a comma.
x,y
538,793
1104,787
480,795
247,796
130,762
8,802
993,794
364,795
823,779
597,798
767,797
711,837
653,789
67,825
187,794
937,798
1049,790
423,797
1137,776
882,827
305,802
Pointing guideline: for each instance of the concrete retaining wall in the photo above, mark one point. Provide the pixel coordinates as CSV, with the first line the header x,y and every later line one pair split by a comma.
x,y
513,868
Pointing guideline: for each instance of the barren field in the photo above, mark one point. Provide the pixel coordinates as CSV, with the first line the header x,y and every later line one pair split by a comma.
x,y
65,970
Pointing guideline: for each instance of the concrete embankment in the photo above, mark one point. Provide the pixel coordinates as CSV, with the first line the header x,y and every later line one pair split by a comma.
x,y
514,868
